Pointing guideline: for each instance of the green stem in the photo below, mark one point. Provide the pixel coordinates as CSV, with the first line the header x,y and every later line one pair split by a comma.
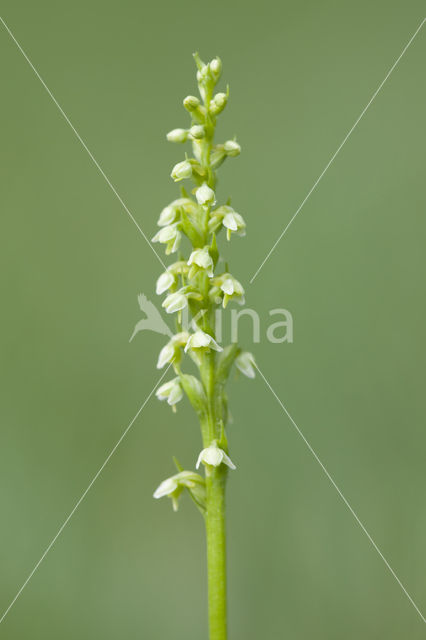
x,y
215,476
216,552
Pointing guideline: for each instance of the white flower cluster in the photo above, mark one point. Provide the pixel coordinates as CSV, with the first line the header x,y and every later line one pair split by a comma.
x,y
196,283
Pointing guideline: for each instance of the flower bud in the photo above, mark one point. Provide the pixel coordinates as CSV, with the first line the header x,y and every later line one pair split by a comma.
x,y
191,103
216,67
205,196
218,103
232,148
177,135
203,73
181,170
197,131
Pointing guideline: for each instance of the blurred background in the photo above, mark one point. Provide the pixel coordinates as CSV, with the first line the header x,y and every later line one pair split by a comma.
x,y
350,269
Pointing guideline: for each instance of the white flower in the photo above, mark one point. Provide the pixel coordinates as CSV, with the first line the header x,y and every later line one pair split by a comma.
x,y
246,364
175,302
231,288
177,135
202,340
164,282
170,391
173,487
170,351
203,259
166,488
232,148
169,213
228,286
170,236
165,234
234,223
166,355
214,456
205,196
181,170
167,216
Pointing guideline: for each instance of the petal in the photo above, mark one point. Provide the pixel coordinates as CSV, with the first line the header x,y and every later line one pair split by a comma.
x,y
166,488
230,222
213,456
228,287
227,460
164,282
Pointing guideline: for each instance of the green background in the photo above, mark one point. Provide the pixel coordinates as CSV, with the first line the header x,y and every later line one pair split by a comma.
x,y
350,269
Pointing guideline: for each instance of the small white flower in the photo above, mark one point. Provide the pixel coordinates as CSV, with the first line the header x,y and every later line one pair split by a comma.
x,y
205,196
231,288
170,391
228,286
170,351
172,487
202,340
232,148
166,355
177,135
170,236
165,234
246,364
181,170
214,456
166,488
167,216
175,302
203,259
234,223
164,282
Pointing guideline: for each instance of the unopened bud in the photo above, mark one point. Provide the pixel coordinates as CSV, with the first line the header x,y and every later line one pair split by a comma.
x,y
177,135
216,67
218,103
191,103
197,131
181,170
232,148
